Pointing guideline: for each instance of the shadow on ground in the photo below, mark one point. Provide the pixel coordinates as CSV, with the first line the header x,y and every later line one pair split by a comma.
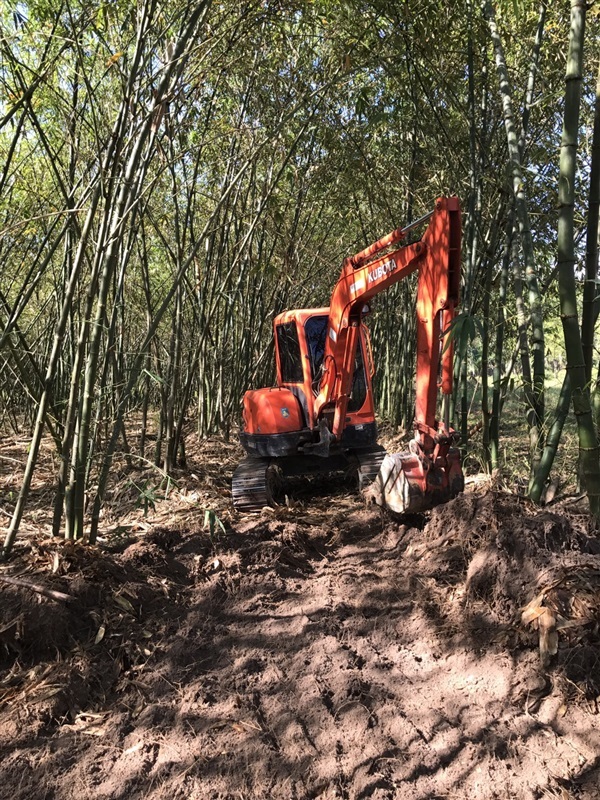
x,y
321,653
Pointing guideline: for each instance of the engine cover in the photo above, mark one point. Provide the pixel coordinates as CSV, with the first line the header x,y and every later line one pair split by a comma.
x,y
271,411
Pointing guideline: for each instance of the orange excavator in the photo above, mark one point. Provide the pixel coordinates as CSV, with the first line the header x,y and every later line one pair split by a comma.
x,y
320,417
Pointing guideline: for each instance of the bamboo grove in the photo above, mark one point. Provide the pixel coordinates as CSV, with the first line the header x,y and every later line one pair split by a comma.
x,y
174,174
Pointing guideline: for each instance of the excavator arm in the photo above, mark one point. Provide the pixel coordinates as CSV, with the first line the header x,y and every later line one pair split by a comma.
x,y
436,257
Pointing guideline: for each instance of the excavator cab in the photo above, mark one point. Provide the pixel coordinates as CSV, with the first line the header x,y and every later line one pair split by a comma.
x,y
320,415
277,421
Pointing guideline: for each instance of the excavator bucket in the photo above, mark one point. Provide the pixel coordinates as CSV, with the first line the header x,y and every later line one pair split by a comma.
x,y
407,482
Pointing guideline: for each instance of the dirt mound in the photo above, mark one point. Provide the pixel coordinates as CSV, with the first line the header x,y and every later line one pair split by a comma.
x,y
313,652
512,555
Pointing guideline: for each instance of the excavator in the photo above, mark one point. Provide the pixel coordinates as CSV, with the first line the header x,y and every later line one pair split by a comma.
x,y
320,417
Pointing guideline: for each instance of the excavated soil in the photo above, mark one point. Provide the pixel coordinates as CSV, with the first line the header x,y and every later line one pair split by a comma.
x,y
321,650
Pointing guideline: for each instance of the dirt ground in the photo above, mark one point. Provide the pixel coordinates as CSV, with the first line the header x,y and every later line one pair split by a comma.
x,y
321,650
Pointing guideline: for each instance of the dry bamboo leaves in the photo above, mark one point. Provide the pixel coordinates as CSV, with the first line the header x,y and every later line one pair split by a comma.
x,y
123,604
570,601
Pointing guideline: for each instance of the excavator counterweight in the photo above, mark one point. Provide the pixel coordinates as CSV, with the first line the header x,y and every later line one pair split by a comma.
x,y
320,416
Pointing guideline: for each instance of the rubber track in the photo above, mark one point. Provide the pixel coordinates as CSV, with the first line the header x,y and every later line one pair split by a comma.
x,y
249,486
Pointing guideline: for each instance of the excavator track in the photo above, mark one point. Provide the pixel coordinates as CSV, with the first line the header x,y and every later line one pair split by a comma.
x,y
257,481
369,463
251,486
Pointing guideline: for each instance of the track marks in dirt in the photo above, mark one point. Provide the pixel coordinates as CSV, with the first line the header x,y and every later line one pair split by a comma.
x,y
306,661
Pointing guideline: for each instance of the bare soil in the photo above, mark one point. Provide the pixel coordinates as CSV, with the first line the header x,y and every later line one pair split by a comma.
x,y
321,650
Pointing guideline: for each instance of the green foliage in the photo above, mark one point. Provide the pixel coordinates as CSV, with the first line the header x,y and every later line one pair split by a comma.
x,y
463,331
213,525
147,496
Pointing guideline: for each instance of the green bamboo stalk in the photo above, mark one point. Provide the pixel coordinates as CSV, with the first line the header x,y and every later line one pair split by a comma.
x,y
591,287
588,317
48,378
534,389
540,477
589,454
494,438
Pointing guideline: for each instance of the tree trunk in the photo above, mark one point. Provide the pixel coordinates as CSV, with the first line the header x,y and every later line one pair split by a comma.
x,y
494,438
534,388
589,465
590,289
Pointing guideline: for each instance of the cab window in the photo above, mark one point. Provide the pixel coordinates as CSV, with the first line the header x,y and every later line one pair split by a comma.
x,y
315,329
289,353
358,393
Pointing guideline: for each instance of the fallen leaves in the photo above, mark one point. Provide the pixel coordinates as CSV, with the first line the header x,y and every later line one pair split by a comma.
x,y
570,601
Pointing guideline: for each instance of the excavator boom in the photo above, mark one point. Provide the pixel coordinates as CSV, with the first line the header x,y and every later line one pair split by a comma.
x,y
437,258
